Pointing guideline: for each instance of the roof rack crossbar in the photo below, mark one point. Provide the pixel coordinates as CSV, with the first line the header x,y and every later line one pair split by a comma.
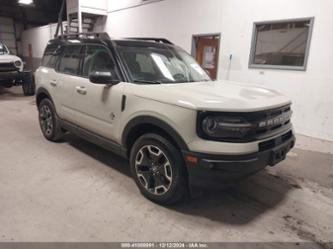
x,y
89,34
158,40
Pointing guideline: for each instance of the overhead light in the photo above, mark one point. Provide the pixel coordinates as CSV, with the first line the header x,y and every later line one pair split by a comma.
x,y
26,2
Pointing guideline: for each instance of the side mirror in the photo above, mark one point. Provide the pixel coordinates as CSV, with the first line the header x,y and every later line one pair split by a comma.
x,y
103,78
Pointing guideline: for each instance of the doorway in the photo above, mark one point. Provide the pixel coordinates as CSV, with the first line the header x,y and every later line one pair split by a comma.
x,y
206,50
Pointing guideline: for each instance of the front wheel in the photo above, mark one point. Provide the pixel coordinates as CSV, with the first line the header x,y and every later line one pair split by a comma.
x,y
49,121
158,169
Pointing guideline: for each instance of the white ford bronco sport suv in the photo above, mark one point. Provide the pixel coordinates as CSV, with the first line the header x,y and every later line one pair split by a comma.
x,y
12,74
149,101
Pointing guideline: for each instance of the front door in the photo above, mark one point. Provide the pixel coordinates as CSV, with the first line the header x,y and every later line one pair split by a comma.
x,y
206,52
98,106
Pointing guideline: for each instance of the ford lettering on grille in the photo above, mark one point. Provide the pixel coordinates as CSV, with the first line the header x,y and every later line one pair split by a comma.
x,y
276,121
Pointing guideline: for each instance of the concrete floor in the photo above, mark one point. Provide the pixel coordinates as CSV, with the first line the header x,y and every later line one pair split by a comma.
x,y
76,191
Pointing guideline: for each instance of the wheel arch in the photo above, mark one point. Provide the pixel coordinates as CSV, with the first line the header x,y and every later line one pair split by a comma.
x,y
147,124
41,94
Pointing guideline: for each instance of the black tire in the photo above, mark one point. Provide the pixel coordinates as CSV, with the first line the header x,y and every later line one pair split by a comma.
x,y
8,85
28,84
49,121
175,188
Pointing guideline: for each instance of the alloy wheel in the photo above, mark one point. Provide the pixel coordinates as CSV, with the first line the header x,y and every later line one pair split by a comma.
x,y
46,119
153,169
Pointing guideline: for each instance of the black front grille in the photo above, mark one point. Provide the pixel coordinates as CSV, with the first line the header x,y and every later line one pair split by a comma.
x,y
273,120
269,123
7,67
264,124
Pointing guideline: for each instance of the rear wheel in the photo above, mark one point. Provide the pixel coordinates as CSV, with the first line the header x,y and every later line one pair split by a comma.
x,y
28,84
49,121
8,85
158,169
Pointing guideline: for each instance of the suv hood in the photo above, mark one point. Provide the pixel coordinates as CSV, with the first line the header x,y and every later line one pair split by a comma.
x,y
8,58
214,96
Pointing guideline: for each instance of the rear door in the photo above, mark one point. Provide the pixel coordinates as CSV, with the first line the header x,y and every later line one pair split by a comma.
x,y
97,106
66,78
47,77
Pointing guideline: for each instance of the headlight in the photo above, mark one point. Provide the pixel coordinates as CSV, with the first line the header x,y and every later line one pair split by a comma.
x,y
18,63
225,127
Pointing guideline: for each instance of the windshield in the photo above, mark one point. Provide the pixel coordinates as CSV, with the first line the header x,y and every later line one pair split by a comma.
x,y
161,64
3,49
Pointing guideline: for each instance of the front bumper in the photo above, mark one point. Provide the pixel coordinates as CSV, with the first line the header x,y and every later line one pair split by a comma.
x,y
15,77
214,170
9,76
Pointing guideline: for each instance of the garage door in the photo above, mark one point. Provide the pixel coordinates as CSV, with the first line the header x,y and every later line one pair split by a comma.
x,y
7,33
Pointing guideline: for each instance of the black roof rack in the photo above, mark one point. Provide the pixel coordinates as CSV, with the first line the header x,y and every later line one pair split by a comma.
x,y
103,35
159,40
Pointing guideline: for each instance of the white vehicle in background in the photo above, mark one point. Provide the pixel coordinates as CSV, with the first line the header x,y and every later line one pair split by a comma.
x,y
12,72
149,101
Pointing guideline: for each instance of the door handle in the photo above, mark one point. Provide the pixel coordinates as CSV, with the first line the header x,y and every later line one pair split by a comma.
x,y
81,90
53,83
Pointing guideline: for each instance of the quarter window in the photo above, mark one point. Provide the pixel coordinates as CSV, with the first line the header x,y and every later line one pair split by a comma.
x,y
51,56
281,44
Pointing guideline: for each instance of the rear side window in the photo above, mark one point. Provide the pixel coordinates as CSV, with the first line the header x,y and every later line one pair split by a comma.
x,y
70,61
51,56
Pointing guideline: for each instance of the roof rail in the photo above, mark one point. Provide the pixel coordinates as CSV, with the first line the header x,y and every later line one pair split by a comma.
x,y
158,40
85,35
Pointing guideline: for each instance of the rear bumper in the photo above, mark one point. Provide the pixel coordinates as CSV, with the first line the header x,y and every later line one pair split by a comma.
x,y
215,170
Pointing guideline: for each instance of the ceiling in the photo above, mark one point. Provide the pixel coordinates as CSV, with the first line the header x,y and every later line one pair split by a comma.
x,y
41,13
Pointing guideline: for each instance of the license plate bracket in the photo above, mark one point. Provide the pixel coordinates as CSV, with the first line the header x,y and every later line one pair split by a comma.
x,y
279,154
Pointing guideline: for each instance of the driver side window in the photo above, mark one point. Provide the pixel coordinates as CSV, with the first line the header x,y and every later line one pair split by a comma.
x,y
97,58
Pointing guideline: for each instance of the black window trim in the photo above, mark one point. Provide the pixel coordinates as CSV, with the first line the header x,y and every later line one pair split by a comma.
x,y
125,77
252,65
56,68
47,53
112,56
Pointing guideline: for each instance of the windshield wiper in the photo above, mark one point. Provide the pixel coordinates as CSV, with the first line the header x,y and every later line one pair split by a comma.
x,y
148,82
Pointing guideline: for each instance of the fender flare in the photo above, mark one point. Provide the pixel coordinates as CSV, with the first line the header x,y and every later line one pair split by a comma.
x,y
40,91
149,120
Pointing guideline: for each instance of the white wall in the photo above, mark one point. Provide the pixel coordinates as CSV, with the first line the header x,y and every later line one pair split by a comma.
x,y
72,6
116,5
97,7
178,20
38,38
